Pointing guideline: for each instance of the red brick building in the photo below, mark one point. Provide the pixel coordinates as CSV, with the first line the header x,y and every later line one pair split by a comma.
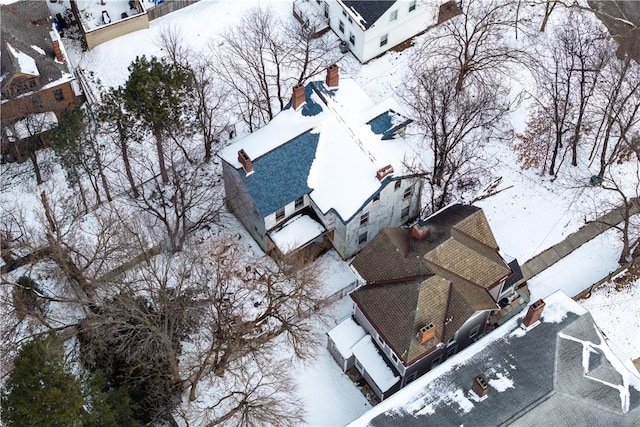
x,y
36,78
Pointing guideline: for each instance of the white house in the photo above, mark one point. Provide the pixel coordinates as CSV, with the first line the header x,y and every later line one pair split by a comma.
x,y
326,171
370,28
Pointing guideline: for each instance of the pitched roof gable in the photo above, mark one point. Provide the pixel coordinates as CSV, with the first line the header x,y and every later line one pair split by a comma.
x,y
342,175
459,251
280,176
26,24
369,11
399,311
533,375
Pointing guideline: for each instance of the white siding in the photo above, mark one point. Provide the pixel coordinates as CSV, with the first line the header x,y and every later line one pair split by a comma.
x,y
367,43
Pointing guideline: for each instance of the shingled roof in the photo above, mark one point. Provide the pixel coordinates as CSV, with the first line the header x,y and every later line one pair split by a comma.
x,y
26,24
561,372
413,282
370,11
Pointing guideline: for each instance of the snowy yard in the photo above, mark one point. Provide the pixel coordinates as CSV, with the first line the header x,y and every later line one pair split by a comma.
x,y
528,215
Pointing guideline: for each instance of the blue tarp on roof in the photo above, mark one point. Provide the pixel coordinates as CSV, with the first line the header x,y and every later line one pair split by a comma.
x,y
280,176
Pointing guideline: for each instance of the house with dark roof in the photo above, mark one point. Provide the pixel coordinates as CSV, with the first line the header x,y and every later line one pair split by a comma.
x,y
552,366
370,28
326,171
428,292
36,81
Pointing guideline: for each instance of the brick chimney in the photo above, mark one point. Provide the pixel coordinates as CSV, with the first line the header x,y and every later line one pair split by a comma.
x,y
480,387
533,314
383,172
56,46
298,96
426,333
245,161
333,76
420,231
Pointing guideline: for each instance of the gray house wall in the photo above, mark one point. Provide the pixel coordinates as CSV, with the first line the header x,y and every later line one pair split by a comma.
x,y
241,204
424,365
463,340
383,213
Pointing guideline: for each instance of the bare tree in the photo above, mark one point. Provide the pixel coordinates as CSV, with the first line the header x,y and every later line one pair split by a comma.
x,y
262,57
210,94
248,306
616,112
455,125
474,43
202,315
191,199
625,205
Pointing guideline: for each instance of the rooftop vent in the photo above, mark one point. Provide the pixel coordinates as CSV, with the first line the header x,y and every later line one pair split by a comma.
x,y
480,387
426,333
245,161
333,76
383,172
532,317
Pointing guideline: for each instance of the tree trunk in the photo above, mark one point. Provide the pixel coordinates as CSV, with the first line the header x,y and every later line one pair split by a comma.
x,y
161,164
124,149
547,13
36,168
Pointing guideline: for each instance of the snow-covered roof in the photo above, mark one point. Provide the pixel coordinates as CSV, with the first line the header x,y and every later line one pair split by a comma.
x,y
367,355
296,232
23,62
31,125
561,369
347,137
345,335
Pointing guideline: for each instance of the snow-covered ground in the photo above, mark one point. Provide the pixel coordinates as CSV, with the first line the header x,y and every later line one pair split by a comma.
x,y
529,215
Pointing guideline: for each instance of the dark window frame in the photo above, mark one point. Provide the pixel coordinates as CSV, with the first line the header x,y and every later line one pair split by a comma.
x,y
362,238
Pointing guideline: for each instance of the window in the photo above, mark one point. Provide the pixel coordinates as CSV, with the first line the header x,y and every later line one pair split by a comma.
x,y
344,13
376,198
350,21
299,203
341,27
407,193
379,338
37,103
474,331
412,6
397,185
280,214
58,94
384,39
359,366
352,39
394,358
32,84
393,16
364,219
405,212
362,238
